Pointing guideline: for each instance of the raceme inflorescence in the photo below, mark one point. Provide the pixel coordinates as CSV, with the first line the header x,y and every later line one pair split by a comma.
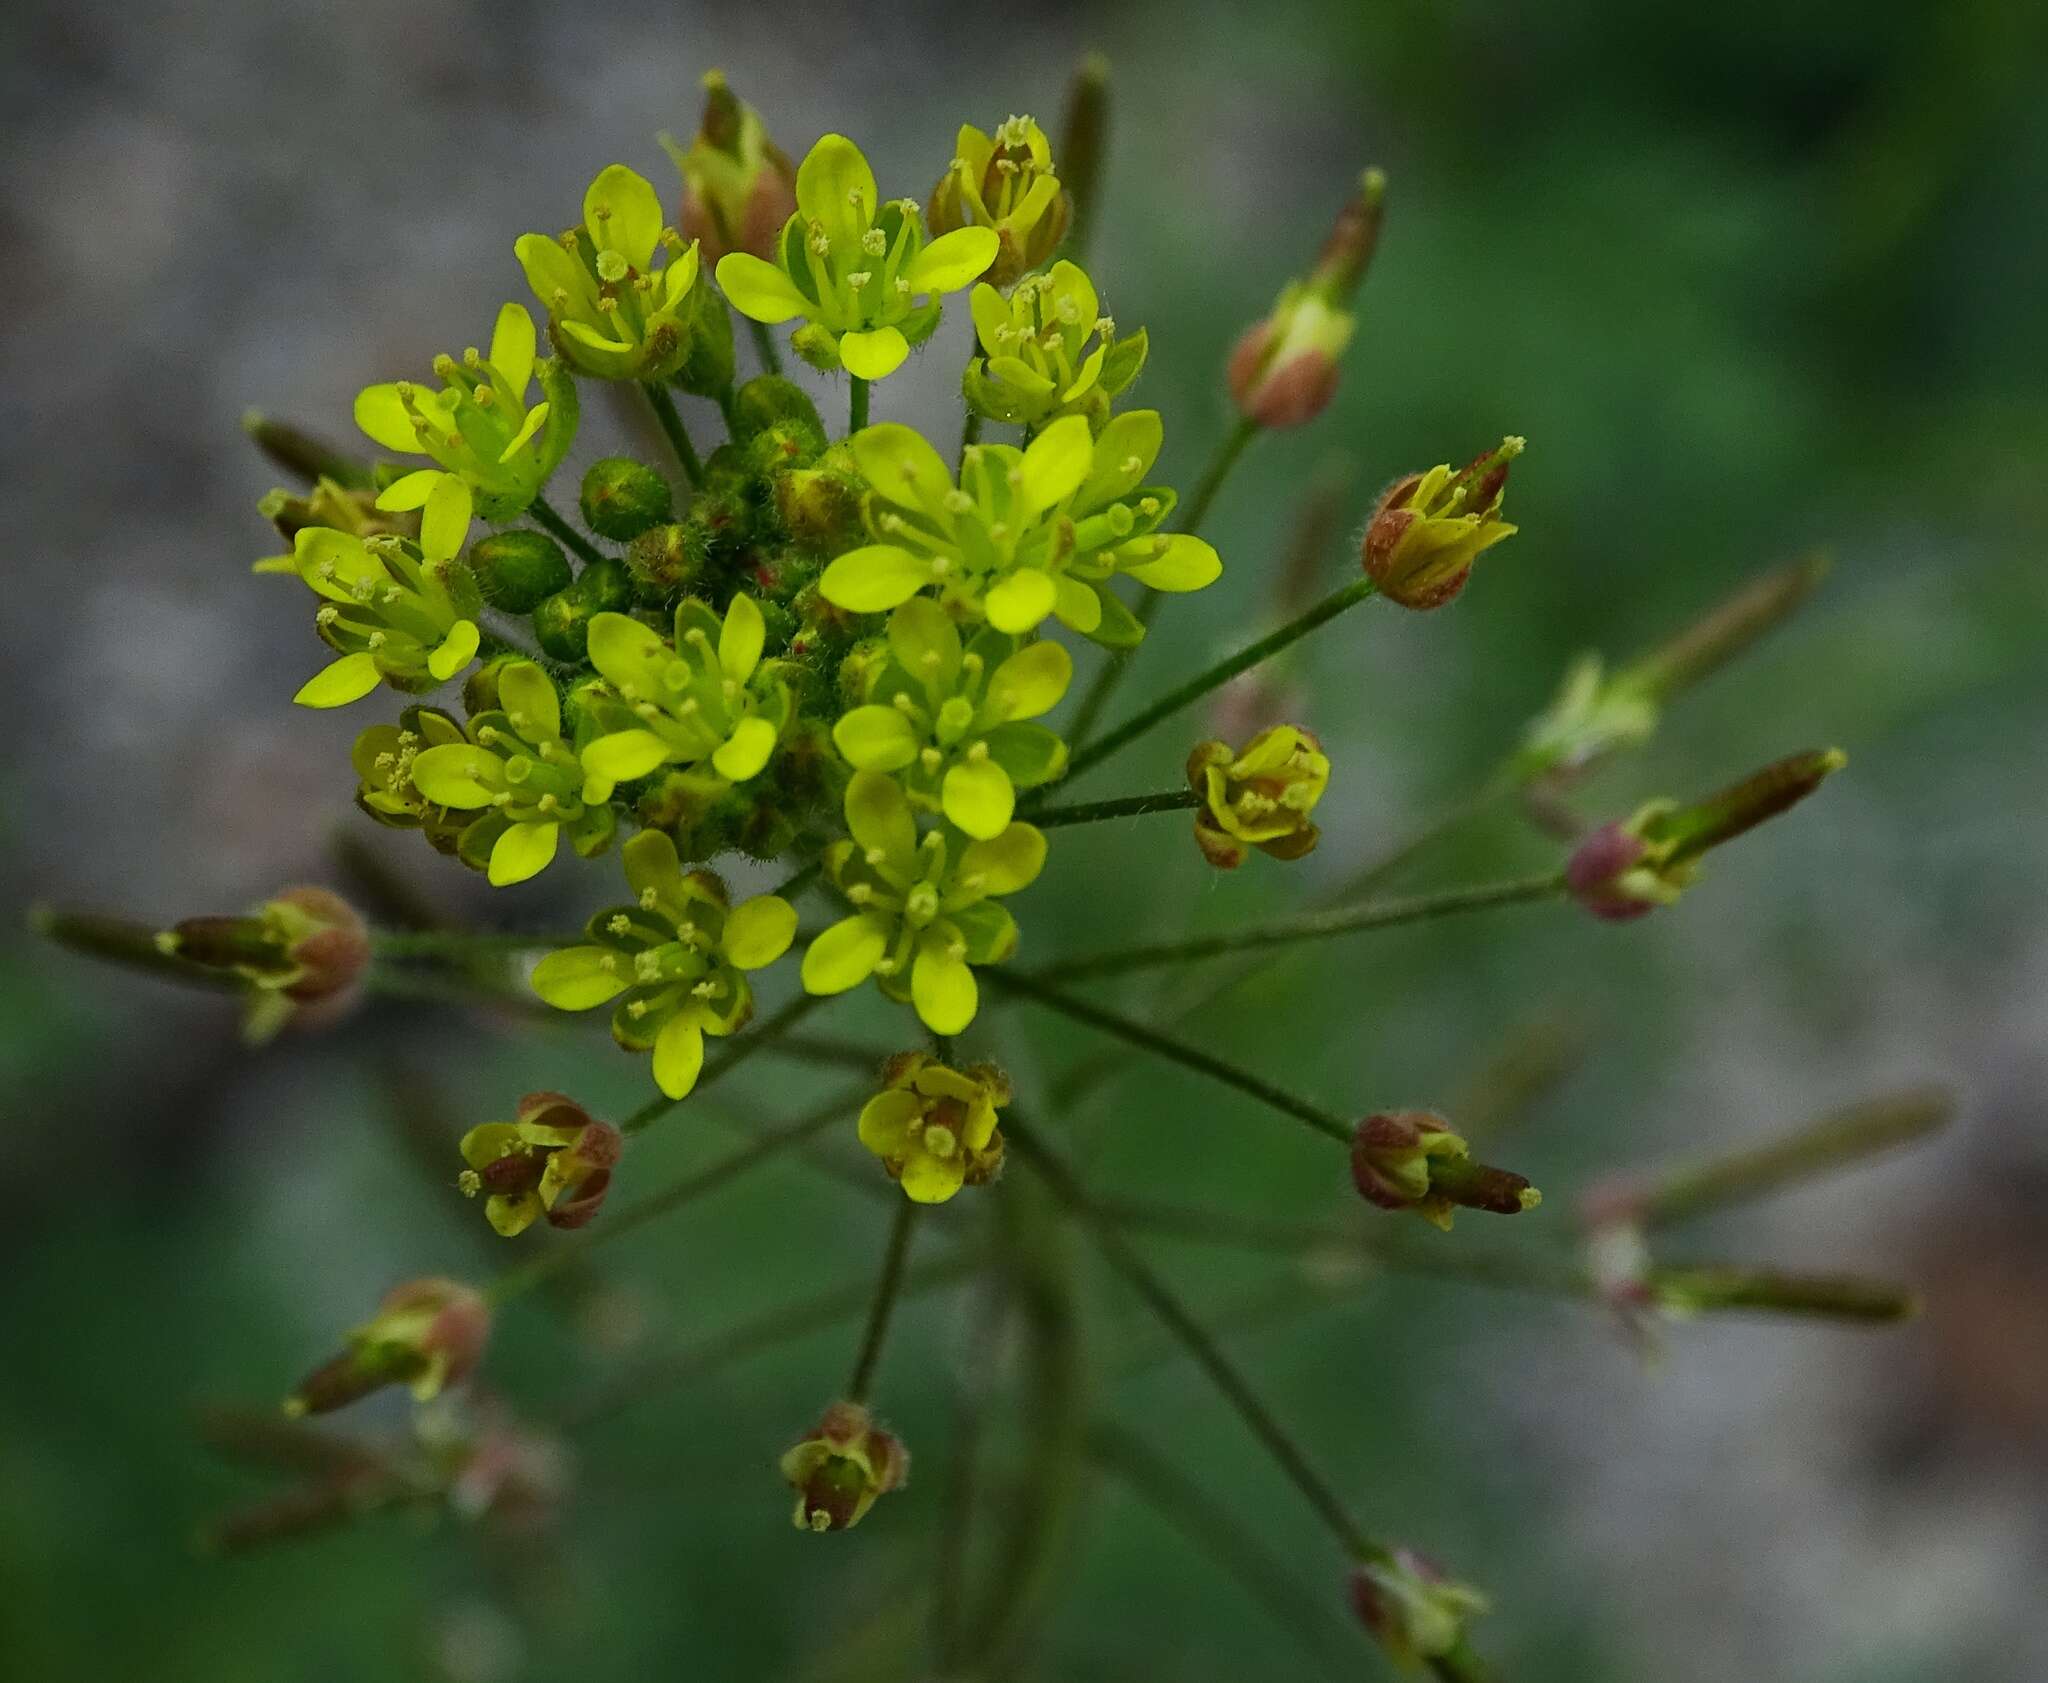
x,y
854,667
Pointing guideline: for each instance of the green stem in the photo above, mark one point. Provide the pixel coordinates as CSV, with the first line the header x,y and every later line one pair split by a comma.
x,y
1110,1243
1188,1508
1310,926
1192,516
544,516
764,347
887,1289
729,1058
1125,806
664,406
516,1282
1220,674
856,404
1175,1051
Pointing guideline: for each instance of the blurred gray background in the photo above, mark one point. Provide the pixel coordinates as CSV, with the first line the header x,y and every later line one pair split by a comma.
x,y
1748,281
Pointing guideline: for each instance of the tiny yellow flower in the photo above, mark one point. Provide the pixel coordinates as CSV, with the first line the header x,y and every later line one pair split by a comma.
x,y
925,910
1430,527
1036,363
1025,535
934,1128
854,268
673,959
552,1161
841,1466
478,426
611,312
1004,181
1260,796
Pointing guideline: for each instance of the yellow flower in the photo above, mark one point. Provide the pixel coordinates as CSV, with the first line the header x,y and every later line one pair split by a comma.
x,y
1004,181
1259,797
1430,527
1036,363
934,1128
840,1467
854,268
553,1160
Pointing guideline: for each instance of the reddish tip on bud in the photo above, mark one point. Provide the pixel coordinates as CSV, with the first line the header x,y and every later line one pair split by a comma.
x,y
427,1333
1283,371
1411,1160
1354,237
841,1466
1429,528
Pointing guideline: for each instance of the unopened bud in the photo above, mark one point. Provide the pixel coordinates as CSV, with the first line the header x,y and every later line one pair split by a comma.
x,y
841,1466
1260,797
1354,237
739,187
426,1334
1411,1608
1283,371
1411,1160
622,498
517,568
1430,527
306,948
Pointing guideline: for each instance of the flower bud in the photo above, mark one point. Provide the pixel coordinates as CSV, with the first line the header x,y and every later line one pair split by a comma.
x,y
307,947
1412,1610
622,498
426,1334
739,187
668,560
1283,371
840,1467
1258,797
561,622
934,1128
516,568
820,508
1004,181
1430,527
552,1160
1410,1160
1628,867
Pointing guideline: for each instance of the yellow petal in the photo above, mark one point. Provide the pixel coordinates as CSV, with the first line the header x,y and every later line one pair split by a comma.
x,y
523,851
335,685
873,354
845,955
678,1056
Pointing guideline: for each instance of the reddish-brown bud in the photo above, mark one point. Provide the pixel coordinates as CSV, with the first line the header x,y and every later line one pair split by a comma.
x,y
841,1466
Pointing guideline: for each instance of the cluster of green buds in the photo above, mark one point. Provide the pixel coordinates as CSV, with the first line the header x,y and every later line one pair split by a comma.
x,y
1258,796
1631,866
854,268
675,960
1047,351
840,1466
426,1334
478,427
551,1160
1411,1160
935,1128
1025,535
300,954
1430,527
1284,370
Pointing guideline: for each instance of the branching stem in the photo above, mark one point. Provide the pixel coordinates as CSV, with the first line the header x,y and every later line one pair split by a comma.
x,y
545,517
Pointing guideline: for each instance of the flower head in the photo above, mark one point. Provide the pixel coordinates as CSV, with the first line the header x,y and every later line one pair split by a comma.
x,y
739,187
1036,363
477,426
854,268
1260,796
1634,865
426,1334
841,1466
611,312
1410,1160
674,960
1430,527
925,910
934,1128
396,611
1413,1611
1004,181
1025,534
383,759
708,697
516,767
951,721
304,950
552,1160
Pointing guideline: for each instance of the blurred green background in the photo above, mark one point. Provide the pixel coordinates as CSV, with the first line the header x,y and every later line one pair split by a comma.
x,y
1749,278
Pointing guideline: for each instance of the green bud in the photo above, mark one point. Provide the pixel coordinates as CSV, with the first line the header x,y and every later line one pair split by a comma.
x,y
516,568
622,498
819,346
768,401
708,365
562,621
667,560
820,509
